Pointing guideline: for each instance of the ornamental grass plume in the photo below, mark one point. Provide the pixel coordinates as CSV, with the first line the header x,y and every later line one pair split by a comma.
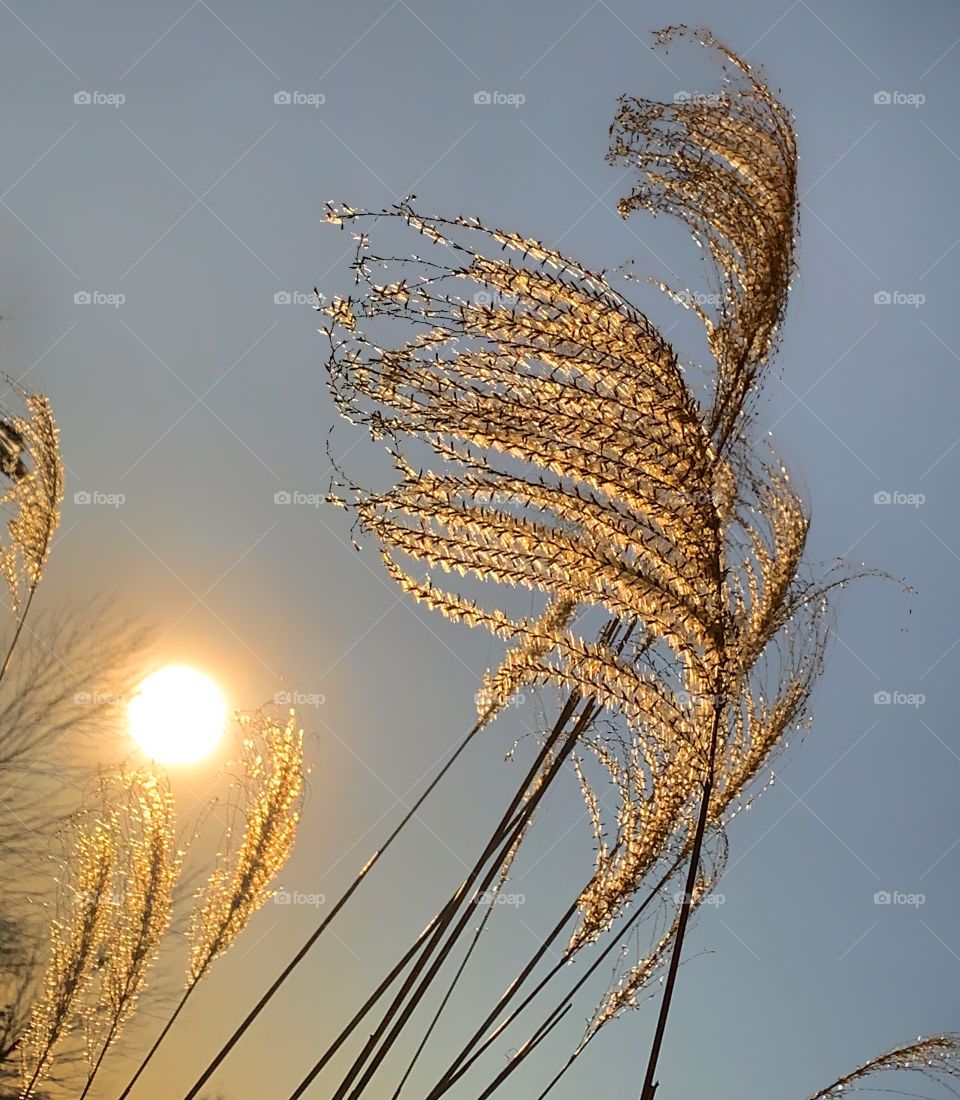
x,y
242,882
936,1057
262,827
79,936
571,457
149,868
545,441
30,460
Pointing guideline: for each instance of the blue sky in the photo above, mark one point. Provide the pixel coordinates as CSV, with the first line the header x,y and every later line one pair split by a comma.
x,y
185,189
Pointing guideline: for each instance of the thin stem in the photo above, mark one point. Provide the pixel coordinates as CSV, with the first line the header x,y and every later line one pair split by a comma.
x,y
321,928
99,1062
16,633
446,998
649,1088
529,1047
447,914
163,1034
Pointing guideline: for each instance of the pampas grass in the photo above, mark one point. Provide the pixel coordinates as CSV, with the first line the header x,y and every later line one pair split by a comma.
x,y
33,496
264,817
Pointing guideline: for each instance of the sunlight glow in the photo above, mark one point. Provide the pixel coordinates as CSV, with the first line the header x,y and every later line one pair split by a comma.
x,y
177,715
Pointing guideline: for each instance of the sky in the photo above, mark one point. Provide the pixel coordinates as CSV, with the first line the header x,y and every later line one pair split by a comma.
x,y
161,203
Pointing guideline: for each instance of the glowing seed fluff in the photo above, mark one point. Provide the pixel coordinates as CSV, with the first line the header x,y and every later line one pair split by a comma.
x,y
544,438
34,495
78,937
273,785
149,866
573,459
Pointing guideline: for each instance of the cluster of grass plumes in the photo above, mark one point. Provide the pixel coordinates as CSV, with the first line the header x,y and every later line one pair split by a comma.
x,y
549,452
79,937
263,812
117,895
545,437
141,914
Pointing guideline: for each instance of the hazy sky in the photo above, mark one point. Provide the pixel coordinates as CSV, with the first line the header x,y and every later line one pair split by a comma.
x,y
201,394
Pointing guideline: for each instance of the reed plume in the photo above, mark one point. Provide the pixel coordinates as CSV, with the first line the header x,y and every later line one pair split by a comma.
x,y
936,1057
79,936
265,814
148,872
572,457
30,459
242,881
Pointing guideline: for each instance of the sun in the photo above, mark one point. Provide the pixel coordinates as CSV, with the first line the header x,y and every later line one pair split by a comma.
x,y
177,715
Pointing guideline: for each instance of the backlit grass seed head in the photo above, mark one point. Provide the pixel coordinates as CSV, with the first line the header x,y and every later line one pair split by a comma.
x,y
935,1057
149,866
78,939
268,816
30,458
544,437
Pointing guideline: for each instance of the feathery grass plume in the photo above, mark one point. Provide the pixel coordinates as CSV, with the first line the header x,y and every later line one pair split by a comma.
x,y
265,814
78,938
242,882
726,164
631,981
34,494
148,868
936,1057
572,458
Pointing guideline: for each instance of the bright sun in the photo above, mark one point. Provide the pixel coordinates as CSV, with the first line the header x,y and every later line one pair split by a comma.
x,y
177,715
